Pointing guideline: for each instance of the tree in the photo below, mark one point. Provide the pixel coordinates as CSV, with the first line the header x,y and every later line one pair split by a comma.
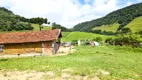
x,y
48,22
126,30
58,26
39,21
53,25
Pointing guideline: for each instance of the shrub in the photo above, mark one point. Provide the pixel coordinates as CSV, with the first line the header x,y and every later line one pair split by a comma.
x,y
74,42
126,30
140,33
127,39
97,31
108,32
108,40
98,39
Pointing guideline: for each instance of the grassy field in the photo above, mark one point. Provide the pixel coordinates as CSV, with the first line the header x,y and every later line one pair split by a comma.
x,y
135,25
36,27
64,34
69,36
119,62
111,27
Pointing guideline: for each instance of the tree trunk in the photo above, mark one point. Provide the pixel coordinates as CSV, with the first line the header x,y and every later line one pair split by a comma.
x,y
39,27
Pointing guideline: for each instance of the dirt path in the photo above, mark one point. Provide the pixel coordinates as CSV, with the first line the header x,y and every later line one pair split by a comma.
x,y
21,75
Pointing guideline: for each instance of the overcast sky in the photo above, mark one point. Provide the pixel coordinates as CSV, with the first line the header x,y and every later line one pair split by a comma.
x,y
65,12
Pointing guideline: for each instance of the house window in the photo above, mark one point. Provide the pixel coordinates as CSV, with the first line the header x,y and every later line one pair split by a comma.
x,y
1,48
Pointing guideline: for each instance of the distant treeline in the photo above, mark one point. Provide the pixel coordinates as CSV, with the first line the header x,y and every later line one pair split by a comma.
x,y
58,26
38,20
122,16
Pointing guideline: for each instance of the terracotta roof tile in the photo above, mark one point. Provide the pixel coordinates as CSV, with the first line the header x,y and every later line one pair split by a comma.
x,y
30,36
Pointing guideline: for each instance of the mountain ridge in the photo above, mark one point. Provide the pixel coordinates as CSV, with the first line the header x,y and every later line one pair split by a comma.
x,y
122,16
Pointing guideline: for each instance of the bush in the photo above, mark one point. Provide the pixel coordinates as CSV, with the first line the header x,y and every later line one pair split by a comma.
x,y
98,39
126,30
97,31
127,39
108,40
74,42
140,33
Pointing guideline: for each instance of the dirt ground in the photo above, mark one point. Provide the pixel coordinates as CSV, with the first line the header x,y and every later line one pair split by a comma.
x,y
65,50
50,75
21,75
65,74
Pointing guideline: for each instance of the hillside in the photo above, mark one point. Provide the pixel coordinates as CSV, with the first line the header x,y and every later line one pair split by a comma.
x,y
135,25
122,16
69,36
111,27
11,22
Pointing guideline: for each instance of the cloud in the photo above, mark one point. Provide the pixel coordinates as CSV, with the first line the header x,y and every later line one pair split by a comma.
x,y
129,3
65,12
5,3
104,6
87,1
139,0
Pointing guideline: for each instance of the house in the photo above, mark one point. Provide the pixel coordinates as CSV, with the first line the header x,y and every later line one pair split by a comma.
x,y
46,42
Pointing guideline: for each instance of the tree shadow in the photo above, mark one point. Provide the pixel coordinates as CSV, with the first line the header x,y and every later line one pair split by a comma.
x,y
3,59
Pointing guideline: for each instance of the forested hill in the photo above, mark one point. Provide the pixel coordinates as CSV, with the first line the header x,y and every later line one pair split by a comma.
x,y
9,21
122,16
12,22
